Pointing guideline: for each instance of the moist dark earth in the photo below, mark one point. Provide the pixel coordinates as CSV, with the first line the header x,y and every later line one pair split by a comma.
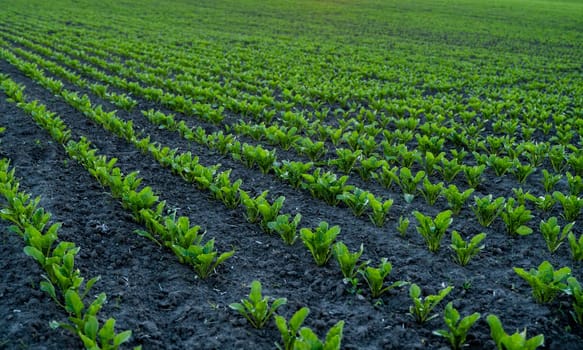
x,y
167,307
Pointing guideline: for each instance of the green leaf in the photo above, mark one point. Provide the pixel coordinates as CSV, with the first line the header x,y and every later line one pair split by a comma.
x,y
47,286
106,332
523,230
122,338
35,254
298,318
88,342
73,303
91,327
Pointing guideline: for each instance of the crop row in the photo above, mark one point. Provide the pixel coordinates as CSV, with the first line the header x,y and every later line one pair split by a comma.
x,y
140,202
61,281
327,186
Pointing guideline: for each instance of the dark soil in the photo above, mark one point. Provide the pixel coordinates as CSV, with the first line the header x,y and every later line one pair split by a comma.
x,y
167,307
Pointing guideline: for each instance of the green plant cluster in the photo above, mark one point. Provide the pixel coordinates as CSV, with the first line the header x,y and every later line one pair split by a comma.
x,y
62,281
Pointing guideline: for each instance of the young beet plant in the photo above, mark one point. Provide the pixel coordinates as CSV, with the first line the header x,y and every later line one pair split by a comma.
x,y
347,260
433,230
308,340
292,172
474,174
515,218
252,205
319,242
375,278
357,201
269,212
457,327
546,283
576,246
516,341
403,225
574,289
551,232
289,330
486,209
346,159
256,308
287,230
326,186
86,324
465,251
225,191
422,307
186,242
295,338
431,192
455,198
380,210
572,205
408,183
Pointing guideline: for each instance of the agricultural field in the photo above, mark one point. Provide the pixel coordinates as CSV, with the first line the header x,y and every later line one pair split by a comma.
x,y
302,174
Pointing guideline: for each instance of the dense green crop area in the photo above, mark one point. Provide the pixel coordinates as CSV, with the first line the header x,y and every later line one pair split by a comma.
x,y
461,118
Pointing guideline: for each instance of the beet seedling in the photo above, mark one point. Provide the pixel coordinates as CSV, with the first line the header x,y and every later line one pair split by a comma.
x,y
550,180
433,230
290,331
368,166
357,201
465,251
292,172
319,242
375,278
256,308
456,199
422,307
225,191
203,258
268,212
136,201
180,233
314,150
515,218
516,341
431,192
457,328
474,174
487,210
86,325
228,194
287,230
346,159
574,289
551,232
252,205
575,183
546,282
380,210
386,176
326,186
572,205
347,260
402,225
557,158
522,171
449,169
408,183
308,340
576,246
544,203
